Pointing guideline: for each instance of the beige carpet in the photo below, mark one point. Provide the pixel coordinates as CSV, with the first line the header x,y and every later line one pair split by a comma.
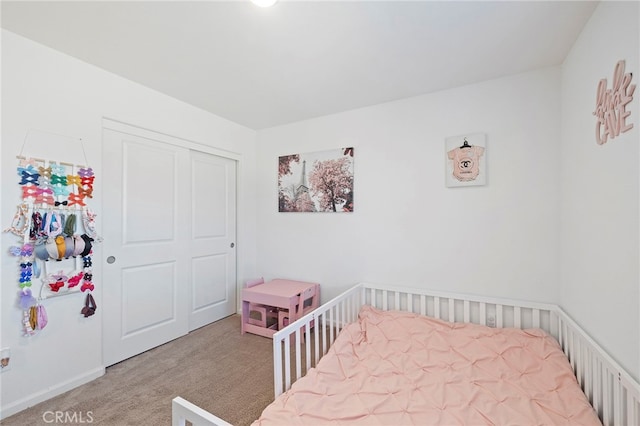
x,y
214,367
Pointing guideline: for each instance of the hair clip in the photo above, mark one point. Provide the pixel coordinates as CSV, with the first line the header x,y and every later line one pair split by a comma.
x,y
24,251
58,180
44,171
86,192
45,199
87,180
87,286
60,276
28,162
28,178
45,196
58,169
74,180
44,191
75,199
25,274
44,181
60,190
61,203
57,281
56,286
88,276
87,261
29,191
85,172
75,280
29,168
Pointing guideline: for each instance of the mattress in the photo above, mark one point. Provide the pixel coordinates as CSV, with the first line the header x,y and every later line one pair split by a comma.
x,y
397,368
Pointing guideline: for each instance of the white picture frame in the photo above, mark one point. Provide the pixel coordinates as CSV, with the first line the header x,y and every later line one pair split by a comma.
x,y
316,181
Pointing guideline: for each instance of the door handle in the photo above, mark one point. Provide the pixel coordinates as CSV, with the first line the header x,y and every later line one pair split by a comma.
x,y
232,245
111,259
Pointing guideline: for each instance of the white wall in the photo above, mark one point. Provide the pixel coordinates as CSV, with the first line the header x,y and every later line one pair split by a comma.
x,y
600,189
557,208
44,89
501,239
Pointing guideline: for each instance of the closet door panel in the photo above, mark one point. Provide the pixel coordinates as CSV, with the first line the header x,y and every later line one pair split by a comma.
x,y
146,232
139,285
169,239
213,189
148,198
205,269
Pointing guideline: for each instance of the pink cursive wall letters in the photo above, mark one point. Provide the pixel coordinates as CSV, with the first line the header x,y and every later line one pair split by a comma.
x,y
611,105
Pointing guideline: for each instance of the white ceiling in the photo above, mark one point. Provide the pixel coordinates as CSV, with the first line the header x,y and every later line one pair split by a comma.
x,y
303,59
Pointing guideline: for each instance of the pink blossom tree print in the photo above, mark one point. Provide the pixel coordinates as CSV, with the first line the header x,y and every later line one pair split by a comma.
x,y
284,165
316,182
332,183
286,196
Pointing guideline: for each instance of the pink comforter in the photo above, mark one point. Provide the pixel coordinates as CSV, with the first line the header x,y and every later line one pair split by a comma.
x,y
396,368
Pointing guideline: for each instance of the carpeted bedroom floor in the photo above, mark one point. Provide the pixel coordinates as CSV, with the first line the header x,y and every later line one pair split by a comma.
x,y
214,367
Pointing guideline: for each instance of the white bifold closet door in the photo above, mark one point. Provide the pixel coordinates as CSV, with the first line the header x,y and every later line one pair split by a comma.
x,y
169,240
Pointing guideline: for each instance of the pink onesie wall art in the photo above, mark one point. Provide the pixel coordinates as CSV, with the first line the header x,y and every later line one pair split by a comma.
x,y
465,160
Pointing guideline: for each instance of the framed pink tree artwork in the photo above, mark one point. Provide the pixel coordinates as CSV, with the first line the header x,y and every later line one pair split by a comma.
x,y
316,182
465,158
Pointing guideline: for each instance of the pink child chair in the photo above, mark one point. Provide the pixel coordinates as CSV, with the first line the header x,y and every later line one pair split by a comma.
x,y
307,302
261,315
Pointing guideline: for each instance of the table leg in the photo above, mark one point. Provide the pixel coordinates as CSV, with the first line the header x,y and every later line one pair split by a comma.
x,y
292,309
245,315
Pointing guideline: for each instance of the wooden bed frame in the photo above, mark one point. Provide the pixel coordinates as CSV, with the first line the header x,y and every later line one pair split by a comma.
x,y
613,393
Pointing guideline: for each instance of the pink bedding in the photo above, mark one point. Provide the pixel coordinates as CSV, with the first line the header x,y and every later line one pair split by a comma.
x,y
396,368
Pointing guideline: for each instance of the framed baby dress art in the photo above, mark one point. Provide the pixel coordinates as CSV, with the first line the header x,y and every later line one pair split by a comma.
x,y
465,158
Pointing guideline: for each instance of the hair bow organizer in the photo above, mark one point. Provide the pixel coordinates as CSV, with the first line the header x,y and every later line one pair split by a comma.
x,y
57,231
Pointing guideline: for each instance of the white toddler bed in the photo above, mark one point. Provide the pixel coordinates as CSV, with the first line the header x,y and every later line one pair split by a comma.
x,y
612,393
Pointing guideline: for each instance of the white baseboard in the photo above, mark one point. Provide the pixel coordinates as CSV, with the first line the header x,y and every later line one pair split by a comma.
x,y
23,404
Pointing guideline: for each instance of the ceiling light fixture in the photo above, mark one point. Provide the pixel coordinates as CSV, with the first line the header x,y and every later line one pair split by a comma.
x,y
264,3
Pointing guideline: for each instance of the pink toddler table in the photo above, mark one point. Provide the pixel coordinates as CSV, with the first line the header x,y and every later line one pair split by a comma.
x,y
278,293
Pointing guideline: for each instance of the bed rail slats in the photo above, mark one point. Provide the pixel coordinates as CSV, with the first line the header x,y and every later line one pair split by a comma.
x,y
293,353
612,392
614,395
182,411
483,313
452,307
436,307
